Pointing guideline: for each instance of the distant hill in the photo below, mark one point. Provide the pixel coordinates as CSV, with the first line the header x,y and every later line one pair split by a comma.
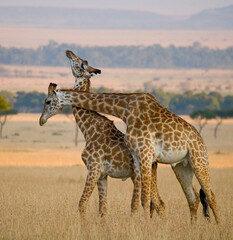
x,y
220,18
55,17
76,18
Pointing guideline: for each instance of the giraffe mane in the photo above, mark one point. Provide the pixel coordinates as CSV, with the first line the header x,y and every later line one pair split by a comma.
x,y
104,93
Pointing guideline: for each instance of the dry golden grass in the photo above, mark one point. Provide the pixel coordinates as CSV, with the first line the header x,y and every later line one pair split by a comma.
x,y
174,80
42,203
41,182
34,37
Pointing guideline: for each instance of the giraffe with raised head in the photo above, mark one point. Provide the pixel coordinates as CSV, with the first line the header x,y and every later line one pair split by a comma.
x,y
105,153
153,134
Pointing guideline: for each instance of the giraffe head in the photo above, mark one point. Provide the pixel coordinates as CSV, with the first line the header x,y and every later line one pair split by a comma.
x,y
52,104
80,67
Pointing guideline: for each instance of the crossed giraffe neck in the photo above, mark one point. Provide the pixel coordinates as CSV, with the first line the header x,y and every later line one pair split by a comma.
x,y
84,117
119,105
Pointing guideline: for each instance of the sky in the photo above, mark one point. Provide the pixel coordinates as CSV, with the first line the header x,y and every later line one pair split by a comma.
x,y
167,7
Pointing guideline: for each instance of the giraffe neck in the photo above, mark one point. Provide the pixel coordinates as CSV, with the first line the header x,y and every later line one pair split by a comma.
x,y
90,122
107,103
83,116
82,84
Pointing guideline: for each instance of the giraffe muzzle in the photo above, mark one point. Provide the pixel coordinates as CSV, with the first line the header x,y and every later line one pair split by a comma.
x,y
70,54
42,121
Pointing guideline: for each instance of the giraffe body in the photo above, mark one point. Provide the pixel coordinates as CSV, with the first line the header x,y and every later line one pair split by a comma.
x,y
153,134
105,154
104,141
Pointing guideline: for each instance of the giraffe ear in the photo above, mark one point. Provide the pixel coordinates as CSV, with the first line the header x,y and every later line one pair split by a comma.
x,y
54,92
93,70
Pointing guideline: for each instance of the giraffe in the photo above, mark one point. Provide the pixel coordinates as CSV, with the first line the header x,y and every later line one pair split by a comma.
x,y
82,83
105,153
154,134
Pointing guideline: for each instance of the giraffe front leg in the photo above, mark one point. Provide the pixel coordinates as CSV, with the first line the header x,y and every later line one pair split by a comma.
x,y
91,181
102,189
146,185
143,158
136,178
145,169
156,201
135,203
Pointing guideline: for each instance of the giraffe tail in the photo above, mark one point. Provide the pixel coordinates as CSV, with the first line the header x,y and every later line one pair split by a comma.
x,y
204,204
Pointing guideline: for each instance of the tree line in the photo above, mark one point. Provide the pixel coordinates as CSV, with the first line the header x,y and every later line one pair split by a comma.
x,y
201,107
155,56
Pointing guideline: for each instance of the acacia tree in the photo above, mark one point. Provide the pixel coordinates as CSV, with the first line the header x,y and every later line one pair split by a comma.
x,y
202,117
220,116
5,111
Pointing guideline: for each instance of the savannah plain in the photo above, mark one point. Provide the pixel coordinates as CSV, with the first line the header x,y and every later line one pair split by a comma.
x,y
42,175
42,178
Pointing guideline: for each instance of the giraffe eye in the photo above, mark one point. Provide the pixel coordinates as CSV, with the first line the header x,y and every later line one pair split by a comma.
x,y
48,102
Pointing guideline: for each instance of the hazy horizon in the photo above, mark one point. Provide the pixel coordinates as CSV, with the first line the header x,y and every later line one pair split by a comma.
x,y
174,8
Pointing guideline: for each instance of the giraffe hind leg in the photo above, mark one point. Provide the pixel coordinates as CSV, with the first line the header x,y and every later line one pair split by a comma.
x,y
201,170
184,175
